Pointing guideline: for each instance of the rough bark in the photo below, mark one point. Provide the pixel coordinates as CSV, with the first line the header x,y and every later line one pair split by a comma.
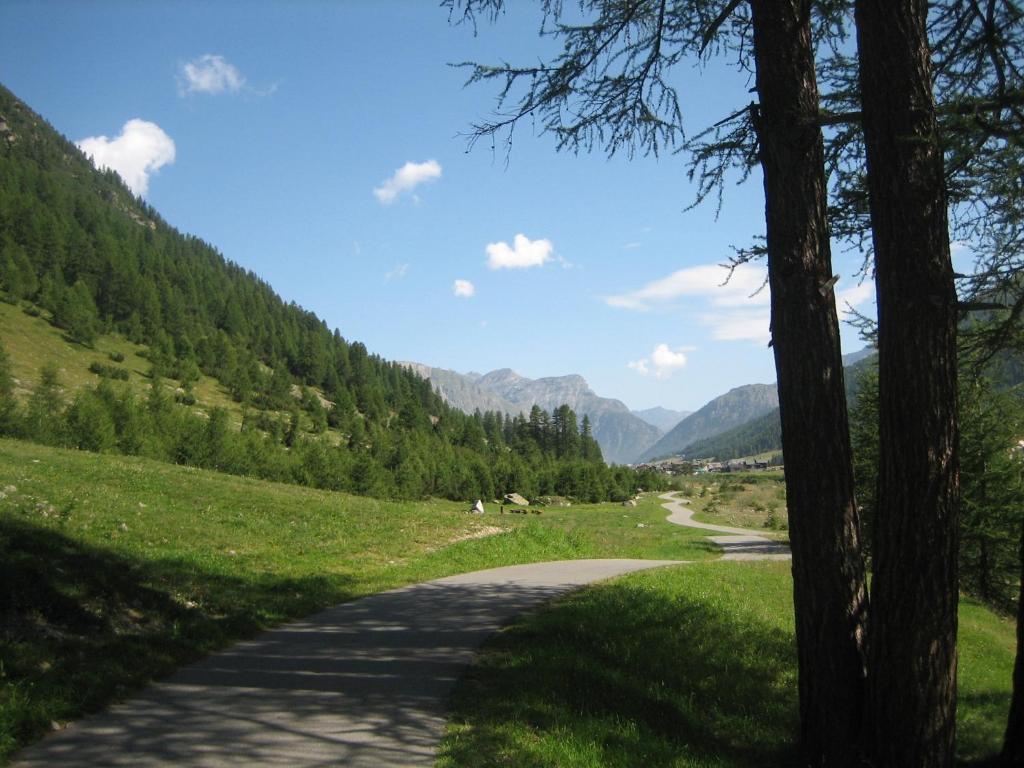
x,y
1013,742
829,591
912,642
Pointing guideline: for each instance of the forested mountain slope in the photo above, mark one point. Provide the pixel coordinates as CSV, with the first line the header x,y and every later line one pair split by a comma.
x,y
735,407
77,249
763,433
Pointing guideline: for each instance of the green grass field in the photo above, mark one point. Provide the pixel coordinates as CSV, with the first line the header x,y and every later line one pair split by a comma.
x,y
104,558
698,669
754,500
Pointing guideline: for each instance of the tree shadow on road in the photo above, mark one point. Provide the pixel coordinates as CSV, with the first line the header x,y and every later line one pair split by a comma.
x,y
81,626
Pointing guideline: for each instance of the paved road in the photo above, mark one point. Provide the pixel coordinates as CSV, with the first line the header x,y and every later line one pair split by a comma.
x,y
740,544
361,684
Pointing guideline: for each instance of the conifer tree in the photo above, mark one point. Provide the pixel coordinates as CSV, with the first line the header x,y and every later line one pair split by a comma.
x,y
76,313
8,405
89,423
43,415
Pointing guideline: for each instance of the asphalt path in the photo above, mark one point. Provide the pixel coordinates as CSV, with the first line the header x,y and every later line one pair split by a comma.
x,y
361,684
738,544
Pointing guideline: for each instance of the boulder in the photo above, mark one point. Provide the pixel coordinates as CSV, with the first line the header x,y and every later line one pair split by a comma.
x,y
629,503
515,498
478,508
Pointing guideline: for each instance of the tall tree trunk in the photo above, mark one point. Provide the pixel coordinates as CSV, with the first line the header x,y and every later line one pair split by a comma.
x,y
912,642
829,591
1013,743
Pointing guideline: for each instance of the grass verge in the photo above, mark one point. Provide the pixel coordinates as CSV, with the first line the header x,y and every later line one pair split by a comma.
x,y
107,558
755,500
698,669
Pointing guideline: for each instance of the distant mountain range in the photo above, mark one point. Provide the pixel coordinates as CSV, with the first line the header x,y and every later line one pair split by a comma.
x,y
763,434
735,407
622,435
743,421
662,418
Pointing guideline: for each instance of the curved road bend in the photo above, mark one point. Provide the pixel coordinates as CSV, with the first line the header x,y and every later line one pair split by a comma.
x,y
360,684
740,544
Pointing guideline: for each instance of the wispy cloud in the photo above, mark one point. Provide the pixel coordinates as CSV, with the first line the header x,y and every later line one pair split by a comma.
x,y
210,74
739,325
708,280
406,179
736,310
854,296
400,271
522,254
141,149
640,366
463,289
662,362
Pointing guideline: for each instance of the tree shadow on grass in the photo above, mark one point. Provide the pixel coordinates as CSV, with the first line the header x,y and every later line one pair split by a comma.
x,y
987,725
81,626
629,677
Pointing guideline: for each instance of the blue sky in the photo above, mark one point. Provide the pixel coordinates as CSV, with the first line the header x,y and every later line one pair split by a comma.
x,y
321,145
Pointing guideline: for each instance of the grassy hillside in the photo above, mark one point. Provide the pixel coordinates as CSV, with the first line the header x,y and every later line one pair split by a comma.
x,y
104,558
32,341
698,669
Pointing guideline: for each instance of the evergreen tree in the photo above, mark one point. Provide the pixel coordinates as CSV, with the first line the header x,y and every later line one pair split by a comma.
x,y
76,313
43,417
291,435
89,423
8,405
912,702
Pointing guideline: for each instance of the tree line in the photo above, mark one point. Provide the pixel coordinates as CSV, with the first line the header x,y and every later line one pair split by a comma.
x,y
480,456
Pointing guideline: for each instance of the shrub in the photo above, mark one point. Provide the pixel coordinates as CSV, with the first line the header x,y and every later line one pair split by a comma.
x,y
117,357
185,398
108,372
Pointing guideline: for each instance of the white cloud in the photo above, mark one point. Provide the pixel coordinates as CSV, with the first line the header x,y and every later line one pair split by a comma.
x,y
142,148
632,246
739,325
735,311
640,366
705,280
854,296
400,271
406,179
523,254
463,289
209,73
663,361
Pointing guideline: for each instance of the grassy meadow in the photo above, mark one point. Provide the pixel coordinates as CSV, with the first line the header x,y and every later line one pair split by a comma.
x,y
104,558
698,669
755,500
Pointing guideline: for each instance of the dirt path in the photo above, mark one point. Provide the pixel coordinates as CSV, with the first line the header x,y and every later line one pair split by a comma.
x,y
361,684
740,544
